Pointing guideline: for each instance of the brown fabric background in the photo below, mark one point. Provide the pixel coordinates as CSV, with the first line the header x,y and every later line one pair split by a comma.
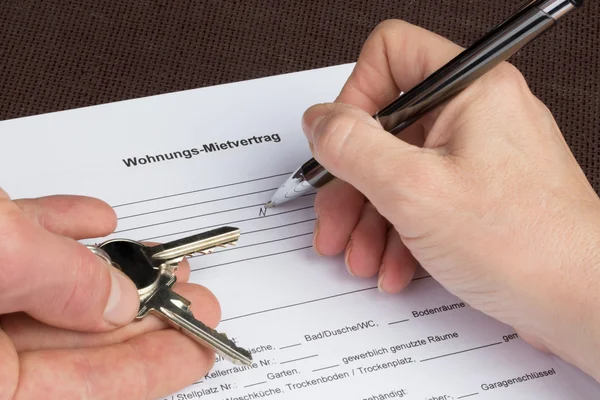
x,y
61,54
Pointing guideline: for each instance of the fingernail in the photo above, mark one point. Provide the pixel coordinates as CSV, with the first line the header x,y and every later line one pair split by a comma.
x,y
121,306
312,118
380,280
347,257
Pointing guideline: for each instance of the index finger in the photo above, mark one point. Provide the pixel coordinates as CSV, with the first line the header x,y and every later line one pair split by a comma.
x,y
395,57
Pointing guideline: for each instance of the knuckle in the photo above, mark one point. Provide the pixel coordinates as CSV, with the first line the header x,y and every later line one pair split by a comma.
x,y
389,25
543,109
501,88
508,74
390,31
506,81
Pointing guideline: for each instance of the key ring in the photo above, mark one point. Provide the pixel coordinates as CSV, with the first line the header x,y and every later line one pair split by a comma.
x,y
100,253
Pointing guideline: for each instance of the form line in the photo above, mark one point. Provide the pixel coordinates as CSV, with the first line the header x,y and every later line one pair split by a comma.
x,y
188,218
250,258
226,223
468,395
321,369
199,190
309,301
278,226
300,304
194,204
462,351
299,359
398,322
259,243
255,384
291,345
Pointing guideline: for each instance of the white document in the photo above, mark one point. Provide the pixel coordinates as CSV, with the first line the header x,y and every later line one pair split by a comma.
x,y
177,164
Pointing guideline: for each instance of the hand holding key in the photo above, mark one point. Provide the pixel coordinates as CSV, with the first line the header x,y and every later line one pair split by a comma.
x,y
65,315
152,269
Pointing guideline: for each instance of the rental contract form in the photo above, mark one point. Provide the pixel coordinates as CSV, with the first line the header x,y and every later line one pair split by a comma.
x,y
180,163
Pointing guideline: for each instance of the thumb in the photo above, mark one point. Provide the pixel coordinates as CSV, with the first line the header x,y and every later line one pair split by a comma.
x,y
59,281
353,146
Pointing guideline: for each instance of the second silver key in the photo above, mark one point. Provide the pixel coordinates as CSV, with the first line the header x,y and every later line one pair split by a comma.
x,y
152,269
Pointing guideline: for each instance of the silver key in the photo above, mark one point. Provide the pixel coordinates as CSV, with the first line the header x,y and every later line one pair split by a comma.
x,y
152,269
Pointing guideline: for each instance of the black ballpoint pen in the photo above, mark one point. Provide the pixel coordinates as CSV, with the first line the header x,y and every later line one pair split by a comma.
x,y
497,46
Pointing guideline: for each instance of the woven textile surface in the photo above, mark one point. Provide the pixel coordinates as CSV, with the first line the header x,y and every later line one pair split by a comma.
x,y
62,54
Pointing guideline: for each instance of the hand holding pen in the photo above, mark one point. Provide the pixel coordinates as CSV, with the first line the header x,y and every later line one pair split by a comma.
x,y
524,26
481,191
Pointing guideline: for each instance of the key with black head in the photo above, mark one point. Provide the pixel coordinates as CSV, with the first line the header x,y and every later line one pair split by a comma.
x,y
152,269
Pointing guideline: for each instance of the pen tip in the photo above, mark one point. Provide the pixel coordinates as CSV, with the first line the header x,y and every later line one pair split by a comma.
x,y
268,205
